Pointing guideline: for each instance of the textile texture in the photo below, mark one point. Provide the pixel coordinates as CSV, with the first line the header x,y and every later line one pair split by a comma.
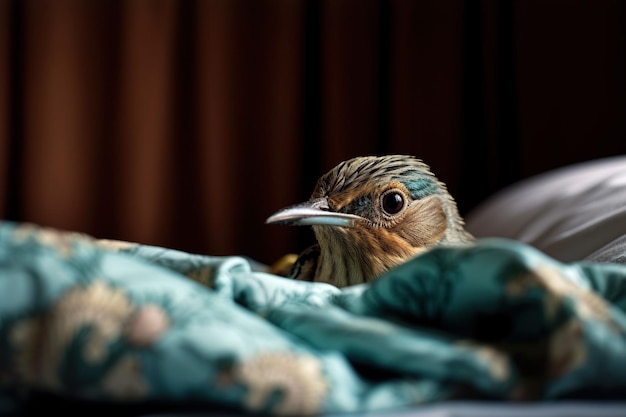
x,y
127,323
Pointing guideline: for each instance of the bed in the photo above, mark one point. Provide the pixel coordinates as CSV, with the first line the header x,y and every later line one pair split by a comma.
x,y
529,321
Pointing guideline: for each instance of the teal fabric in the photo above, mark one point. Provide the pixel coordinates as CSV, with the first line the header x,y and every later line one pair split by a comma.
x,y
136,323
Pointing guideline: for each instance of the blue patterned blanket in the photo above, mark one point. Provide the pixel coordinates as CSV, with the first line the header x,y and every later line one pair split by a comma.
x,y
123,323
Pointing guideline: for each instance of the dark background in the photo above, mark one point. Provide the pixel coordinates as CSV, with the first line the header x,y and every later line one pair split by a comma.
x,y
186,123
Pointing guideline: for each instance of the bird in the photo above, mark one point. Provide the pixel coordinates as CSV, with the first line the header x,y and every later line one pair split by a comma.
x,y
369,214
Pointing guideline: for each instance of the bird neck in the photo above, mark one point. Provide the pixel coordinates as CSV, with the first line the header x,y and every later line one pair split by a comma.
x,y
455,225
351,257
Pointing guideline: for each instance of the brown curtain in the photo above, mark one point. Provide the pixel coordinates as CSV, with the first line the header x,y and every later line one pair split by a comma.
x,y
186,123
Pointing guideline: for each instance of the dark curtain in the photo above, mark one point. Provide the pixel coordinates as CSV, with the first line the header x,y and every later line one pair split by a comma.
x,y
186,123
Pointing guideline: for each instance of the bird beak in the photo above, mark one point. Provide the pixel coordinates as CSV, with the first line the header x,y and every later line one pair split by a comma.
x,y
314,212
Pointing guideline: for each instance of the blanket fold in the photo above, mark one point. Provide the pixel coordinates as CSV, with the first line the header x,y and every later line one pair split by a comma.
x,y
126,323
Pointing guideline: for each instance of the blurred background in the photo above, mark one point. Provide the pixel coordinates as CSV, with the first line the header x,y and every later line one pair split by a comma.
x,y
186,123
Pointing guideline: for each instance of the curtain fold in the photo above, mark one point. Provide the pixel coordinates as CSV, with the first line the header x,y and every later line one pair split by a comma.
x,y
186,123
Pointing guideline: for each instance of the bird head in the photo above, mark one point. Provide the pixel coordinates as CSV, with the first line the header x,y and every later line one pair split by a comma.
x,y
370,214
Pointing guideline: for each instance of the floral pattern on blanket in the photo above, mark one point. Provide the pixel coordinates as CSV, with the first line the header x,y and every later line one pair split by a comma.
x,y
121,322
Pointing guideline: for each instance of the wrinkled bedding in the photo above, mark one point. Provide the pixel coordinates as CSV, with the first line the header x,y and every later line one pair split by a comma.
x,y
124,323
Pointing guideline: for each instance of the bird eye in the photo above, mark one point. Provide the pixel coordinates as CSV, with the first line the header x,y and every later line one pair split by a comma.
x,y
393,202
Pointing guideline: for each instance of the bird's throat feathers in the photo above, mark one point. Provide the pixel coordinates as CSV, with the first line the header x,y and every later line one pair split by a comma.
x,y
356,255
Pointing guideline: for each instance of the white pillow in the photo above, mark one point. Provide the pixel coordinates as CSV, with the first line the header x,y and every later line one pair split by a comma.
x,y
573,213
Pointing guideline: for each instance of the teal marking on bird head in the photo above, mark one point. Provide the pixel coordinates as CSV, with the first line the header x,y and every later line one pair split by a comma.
x,y
421,187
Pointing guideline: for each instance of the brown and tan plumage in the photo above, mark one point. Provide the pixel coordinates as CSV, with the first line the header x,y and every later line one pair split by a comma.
x,y
370,214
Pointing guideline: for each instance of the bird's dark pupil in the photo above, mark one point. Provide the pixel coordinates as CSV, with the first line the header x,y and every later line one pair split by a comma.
x,y
393,203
